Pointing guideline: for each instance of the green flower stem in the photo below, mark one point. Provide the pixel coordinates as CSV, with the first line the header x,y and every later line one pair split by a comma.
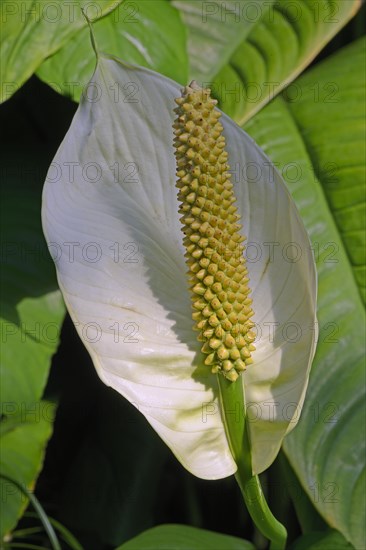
x,y
233,410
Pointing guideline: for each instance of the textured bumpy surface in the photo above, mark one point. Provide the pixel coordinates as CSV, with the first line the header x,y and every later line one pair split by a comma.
x,y
217,273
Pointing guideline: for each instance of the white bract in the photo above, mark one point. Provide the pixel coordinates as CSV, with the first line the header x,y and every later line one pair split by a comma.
x,y
110,216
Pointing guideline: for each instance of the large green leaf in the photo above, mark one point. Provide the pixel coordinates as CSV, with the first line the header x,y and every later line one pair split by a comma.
x,y
183,537
330,101
31,313
142,33
283,42
325,450
215,30
33,30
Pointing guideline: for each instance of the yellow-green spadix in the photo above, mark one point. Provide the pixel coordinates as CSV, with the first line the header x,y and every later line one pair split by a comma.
x,y
215,258
111,218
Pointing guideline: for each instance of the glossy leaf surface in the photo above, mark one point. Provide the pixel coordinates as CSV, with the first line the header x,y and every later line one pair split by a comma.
x,y
279,47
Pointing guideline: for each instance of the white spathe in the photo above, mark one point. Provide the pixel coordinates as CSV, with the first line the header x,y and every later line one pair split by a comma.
x,y
110,216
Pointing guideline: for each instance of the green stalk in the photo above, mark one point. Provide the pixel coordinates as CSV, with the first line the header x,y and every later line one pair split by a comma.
x,y
233,410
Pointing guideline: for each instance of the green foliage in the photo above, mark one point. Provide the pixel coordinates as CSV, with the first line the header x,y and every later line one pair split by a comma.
x,y
313,132
329,101
129,32
264,56
32,307
31,314
33,30
325,449
215,30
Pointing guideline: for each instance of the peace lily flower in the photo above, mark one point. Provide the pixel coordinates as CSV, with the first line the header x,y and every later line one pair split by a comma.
x,y
111,218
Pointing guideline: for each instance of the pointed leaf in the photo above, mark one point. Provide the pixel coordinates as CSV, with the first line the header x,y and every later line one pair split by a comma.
x,y
33,30
125,284
181,537
325,450
130,32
